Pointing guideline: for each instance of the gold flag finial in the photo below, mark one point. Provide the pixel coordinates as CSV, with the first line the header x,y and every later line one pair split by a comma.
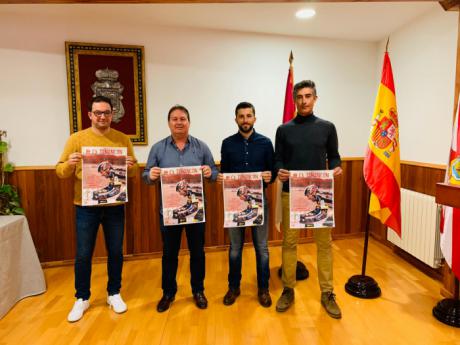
x,y
291,58
388,42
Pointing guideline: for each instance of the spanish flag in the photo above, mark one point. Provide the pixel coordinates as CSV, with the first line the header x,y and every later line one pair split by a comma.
x,y
382,164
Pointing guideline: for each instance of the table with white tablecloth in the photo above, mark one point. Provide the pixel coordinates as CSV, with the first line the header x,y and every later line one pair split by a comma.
x,y
21,274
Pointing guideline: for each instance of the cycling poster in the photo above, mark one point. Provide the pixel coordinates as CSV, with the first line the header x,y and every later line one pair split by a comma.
x,y
311,199
182,195
104,172
243,199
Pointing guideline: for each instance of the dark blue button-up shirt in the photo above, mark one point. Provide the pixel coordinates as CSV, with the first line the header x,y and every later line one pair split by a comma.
x,y
253,154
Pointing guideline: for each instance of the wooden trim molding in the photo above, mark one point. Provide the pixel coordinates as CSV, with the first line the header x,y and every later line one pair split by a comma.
x,y
344,159
450,5
424,165
446,4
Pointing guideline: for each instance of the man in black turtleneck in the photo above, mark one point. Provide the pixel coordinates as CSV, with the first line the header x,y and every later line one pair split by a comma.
x,y
306,143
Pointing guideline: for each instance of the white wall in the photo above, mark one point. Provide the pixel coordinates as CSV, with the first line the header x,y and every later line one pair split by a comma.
x,y
211,71
207,71
423,56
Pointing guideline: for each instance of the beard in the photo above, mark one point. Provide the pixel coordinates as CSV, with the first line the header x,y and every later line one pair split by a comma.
x,y
244,130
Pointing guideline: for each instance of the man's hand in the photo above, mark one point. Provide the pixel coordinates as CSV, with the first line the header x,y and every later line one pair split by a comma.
x,y
207,172
154,173
267,176
337,171
220,178
74,159
130,161
283,175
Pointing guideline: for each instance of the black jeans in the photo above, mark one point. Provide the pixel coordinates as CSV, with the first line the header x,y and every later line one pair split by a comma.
x,y
171,236
88,219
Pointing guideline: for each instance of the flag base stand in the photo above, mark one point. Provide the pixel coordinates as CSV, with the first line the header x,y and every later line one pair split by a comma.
x,y
448,311
363,286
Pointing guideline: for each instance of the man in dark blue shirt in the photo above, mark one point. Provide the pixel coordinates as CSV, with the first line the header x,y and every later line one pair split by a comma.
x,y
248,151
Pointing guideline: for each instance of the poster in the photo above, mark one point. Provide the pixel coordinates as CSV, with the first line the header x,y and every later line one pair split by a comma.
x,y
182,195
243,199
104,173
311,199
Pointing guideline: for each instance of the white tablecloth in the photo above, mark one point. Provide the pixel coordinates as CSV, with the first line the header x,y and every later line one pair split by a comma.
x,y
20,272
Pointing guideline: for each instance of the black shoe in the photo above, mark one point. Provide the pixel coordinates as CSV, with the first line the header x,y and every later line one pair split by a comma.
x,y
164,303
231,296
200,300
264,298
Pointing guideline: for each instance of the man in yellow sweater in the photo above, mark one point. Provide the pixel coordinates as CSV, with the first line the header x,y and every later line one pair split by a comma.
x,y
88,218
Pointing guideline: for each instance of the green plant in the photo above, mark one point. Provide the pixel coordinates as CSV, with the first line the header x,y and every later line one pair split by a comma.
x,y
9,197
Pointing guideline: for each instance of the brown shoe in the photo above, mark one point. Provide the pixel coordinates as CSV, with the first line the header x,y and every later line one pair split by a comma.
x,y
164,303
231,296
200,300
264,298
286,300
329,303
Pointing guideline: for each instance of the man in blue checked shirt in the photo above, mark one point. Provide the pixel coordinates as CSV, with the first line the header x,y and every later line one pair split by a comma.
x,y
179,150
248,151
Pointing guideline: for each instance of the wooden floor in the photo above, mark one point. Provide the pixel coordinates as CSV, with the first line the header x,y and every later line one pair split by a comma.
x,y
401,316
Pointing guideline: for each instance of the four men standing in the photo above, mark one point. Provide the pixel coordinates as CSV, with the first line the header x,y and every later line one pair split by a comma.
x,y
305,143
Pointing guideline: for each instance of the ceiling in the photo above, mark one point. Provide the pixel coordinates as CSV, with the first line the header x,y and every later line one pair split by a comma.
x,y
363,21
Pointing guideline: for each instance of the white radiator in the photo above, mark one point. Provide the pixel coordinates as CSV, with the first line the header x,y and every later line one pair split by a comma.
x,y
420,228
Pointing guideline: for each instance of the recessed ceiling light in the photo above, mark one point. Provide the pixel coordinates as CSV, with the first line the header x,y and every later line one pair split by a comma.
x,y
305,13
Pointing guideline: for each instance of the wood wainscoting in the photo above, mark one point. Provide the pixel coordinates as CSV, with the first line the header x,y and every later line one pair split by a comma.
x,y
47,201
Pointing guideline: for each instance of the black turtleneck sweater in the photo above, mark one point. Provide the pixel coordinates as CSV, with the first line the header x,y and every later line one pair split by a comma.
x,y
306,143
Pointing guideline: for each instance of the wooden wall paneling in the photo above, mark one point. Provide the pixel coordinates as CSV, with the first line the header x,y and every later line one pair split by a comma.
x,y
64,212
421,179
50,231
147,235
271,195
341,194
358,198
132,211
48,202
378,230
214,230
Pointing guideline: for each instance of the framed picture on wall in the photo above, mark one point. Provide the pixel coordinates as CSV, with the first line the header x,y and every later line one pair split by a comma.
x,y
114,71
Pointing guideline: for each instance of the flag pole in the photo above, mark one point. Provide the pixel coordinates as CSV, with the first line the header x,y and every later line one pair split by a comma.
x,y
360,285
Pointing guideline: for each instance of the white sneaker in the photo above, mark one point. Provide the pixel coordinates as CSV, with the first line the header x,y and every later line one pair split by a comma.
x,y
78,309
117,304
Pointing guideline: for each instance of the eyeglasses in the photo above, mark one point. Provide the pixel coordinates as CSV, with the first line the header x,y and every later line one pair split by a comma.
x,y
100,113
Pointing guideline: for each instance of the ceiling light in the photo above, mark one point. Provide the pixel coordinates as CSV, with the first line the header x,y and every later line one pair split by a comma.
x,y
305,13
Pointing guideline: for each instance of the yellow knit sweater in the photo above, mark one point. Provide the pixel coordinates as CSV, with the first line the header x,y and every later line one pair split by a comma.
x,y
88,137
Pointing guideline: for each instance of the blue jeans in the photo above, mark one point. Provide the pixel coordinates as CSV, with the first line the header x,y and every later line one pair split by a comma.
x,y
171,236
259,238
88,219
